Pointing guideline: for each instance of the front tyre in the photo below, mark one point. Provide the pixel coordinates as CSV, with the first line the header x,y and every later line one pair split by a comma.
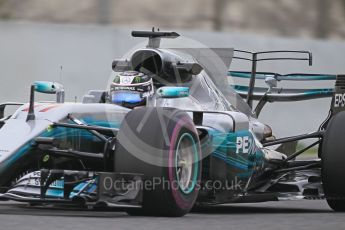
x,y
333,162
163,145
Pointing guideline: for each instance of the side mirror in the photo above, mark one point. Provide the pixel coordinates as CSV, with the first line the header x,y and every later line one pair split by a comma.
x,y
173,92
47,88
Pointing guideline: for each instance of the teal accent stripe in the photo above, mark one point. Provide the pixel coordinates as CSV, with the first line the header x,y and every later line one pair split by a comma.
x,y
245,175
287,77
230,161
13,158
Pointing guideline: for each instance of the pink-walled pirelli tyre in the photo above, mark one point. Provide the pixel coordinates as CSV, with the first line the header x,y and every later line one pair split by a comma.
x,y
333,162
163,145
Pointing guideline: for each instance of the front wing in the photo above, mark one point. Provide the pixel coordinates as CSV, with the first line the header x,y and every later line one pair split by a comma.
x,y
98,189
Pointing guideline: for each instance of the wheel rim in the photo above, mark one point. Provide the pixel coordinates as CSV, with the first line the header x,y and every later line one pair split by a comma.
x,y
186,161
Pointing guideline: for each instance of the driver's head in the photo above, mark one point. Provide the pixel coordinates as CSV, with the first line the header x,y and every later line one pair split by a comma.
x,y
130,89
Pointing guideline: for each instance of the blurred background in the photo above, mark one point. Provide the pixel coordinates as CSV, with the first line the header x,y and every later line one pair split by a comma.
x,y
74,42
293,18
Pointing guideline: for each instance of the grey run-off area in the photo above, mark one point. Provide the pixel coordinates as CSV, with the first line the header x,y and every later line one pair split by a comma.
x,y
269,216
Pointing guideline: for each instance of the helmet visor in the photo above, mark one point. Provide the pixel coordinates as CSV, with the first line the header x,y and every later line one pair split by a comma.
x,y
130,97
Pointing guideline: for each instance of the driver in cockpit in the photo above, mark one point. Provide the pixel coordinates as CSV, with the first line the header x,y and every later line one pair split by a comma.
x,y
131,89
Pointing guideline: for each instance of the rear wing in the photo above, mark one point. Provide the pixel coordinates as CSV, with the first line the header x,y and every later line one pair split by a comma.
x,y
284,77
283,94
276,94
255,57
272,93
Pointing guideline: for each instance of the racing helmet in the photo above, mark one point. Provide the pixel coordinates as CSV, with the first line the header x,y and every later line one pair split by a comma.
x,y
130,89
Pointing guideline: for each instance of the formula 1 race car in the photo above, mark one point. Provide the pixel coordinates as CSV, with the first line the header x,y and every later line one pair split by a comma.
x,y
196,142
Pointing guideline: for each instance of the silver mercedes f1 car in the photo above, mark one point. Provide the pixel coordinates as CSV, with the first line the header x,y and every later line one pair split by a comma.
x,y
197,140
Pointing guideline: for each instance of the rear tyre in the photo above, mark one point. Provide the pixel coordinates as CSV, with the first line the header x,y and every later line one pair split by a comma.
x,y
333,162
163,145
